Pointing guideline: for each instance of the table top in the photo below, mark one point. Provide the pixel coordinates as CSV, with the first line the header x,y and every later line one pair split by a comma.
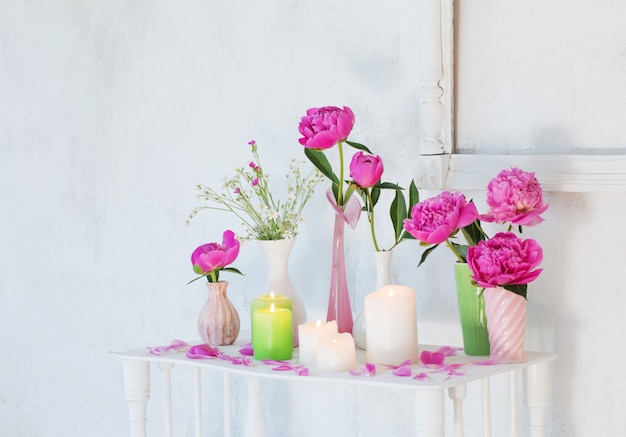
x,y
457,369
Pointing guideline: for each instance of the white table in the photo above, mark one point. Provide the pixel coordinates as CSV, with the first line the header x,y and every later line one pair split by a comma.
x,y
429,394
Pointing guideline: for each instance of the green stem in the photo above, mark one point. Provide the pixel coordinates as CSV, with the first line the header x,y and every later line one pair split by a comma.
x,y
340,188
461,260
213,276
370,216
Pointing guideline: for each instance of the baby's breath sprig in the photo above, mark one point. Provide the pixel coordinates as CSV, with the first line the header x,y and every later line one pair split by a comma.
x,y
247,195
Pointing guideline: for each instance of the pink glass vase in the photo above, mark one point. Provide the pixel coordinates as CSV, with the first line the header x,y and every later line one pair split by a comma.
x,y
218,322
339,300
506,323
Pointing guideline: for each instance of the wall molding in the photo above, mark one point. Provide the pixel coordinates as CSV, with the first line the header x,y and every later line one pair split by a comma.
x,y
440,168
558,173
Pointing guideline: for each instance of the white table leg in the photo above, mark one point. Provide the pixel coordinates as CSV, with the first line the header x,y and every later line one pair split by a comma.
x,y
514,411
458,395
137,393
486,391
538,389
429,411
197,401
254,425
228,408
167,398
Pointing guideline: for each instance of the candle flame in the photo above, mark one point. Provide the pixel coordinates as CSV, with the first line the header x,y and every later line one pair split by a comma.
x,y
272,308
318,324
390,293
272,295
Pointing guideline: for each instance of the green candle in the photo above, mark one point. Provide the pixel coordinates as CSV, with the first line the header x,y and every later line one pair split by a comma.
x,y
264,301
273,333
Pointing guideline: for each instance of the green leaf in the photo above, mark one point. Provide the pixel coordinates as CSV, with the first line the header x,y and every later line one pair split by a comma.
x,y
351,188
407,236
517,289
460,250
473,233
398,212
426,253
195,279
232,270
389,185
414,195
375,195
319,160
358,146
363,193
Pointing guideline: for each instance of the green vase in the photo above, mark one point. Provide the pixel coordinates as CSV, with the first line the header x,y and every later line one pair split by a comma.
x,y
472,312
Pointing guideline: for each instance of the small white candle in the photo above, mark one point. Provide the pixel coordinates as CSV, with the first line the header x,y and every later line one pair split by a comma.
x,y
391,320
336,353
309,335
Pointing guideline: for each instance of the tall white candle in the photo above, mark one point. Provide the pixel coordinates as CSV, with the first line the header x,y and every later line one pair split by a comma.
x,y
391,320
336,353
309,335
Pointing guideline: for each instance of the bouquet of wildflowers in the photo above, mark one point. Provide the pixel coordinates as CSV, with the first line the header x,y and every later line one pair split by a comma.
x,y
515,197
247,195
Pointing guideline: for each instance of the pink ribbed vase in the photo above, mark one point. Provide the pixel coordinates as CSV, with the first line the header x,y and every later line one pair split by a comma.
x,y
506,323
218,322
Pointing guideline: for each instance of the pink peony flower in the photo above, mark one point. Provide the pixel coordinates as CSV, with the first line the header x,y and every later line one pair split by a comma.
x,y
504,259
434,220
213,257
515,196
322,128
366,170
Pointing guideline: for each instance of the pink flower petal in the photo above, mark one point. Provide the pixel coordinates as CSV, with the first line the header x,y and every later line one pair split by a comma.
x,y
402,371
422,377
283,367
448,350
371,369
246,349
201,351
274,362
402,364
368,370
432,358
175,346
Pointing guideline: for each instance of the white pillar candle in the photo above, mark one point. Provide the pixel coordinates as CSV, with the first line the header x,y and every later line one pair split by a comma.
x,y
336,353
391,320
309,335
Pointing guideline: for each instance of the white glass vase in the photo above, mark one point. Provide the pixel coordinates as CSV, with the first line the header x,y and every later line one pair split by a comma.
x,y
382,261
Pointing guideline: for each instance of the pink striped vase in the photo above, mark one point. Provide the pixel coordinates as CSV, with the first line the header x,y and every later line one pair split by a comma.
x,y
506,323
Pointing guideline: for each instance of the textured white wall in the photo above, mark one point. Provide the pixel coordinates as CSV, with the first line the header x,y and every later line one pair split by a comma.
x,y
111,112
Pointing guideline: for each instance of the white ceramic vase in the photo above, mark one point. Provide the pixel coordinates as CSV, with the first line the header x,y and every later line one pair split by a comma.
x,y
277,258
382,261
